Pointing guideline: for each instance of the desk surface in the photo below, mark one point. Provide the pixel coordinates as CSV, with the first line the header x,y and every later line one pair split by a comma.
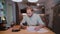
x,y
9,31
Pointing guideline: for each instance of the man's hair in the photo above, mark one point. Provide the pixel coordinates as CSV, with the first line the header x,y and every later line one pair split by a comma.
x,y
29,8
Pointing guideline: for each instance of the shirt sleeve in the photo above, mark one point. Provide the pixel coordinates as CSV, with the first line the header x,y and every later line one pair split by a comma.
x,y
40,20
23,21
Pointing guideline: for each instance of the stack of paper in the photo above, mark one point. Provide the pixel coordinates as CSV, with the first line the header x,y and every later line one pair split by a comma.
x,y
31,29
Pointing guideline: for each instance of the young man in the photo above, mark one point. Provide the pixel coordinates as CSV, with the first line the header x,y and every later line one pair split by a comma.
x,y
32,19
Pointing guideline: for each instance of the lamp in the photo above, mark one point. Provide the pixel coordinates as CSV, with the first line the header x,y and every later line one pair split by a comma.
x,y
32,0
17,0
38,4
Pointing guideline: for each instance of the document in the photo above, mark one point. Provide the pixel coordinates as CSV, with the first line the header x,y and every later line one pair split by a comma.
x,y
31,29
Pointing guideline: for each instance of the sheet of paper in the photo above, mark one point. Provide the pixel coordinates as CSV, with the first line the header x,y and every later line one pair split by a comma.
x,y
31,29
42,30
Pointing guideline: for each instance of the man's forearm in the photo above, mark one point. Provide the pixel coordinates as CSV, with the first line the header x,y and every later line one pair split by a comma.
x,y
41,26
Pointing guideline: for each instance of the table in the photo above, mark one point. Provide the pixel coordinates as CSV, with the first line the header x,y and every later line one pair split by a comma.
x,y
24,31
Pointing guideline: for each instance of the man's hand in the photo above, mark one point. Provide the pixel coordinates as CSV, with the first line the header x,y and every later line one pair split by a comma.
x,y
38,27
24,27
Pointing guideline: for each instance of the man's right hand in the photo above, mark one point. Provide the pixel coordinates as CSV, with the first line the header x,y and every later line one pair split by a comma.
x,y
24,27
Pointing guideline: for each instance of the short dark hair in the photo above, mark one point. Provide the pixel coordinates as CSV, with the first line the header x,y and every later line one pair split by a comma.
x,y
29,8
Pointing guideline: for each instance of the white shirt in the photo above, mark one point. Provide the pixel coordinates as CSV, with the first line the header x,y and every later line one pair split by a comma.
x,y
33,20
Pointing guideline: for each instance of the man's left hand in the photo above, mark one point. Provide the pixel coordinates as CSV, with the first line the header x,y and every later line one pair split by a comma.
x,y
37,28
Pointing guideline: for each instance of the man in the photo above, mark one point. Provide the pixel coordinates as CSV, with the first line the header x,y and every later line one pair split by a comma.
x,y
32,19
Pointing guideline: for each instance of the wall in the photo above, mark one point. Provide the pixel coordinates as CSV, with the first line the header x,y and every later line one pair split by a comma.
x,y
10,12
48,10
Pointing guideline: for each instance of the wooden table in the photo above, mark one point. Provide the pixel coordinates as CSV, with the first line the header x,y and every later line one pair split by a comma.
x,y
9,31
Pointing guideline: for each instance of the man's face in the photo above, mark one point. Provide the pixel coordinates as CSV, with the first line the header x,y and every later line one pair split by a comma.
x,y
29,12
